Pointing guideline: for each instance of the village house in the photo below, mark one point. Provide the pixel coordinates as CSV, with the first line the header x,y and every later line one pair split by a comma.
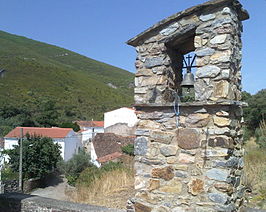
x,y
121,121
106,147
119,131
88,129
65,137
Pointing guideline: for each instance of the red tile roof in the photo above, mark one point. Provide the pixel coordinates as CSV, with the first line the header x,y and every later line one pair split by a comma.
x,y
54,132
109,157
90,123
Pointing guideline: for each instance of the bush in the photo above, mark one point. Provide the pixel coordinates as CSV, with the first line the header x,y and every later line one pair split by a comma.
x,y
73,167
89,175
260,134
128,149
9,174
247,134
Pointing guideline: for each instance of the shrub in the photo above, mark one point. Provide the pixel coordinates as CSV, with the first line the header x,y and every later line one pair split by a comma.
x,y
128,149
260,134
9,174
73,167
89,175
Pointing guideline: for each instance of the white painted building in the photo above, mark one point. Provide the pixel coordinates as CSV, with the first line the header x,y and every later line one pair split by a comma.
x,y
90,129
121,121
94,156
69,141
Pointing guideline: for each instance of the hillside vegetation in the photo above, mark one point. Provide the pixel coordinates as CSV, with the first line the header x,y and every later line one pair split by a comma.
x,y
255,149
46,85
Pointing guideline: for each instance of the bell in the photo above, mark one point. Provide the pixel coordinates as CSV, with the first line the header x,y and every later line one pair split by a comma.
x,y
188,80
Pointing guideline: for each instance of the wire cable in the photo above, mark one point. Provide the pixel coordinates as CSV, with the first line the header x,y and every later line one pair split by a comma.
x,y
177,109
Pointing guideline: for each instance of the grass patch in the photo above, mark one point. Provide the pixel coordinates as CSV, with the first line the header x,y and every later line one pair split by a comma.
x,y
110,186
255,174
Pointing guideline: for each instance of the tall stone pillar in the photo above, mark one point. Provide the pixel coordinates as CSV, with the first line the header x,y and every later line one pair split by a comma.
x,y
189,154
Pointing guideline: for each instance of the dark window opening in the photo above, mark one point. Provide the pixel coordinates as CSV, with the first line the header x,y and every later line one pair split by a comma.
x,y
188,81
181,49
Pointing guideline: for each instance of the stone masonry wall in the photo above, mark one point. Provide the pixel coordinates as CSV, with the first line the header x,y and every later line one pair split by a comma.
x,y
196,167
191,161
218,49
217,44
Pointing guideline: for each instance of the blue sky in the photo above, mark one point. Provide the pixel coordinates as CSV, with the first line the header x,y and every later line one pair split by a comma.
x,y
100,28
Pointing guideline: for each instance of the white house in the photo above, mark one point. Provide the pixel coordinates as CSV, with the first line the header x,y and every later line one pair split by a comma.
x,y
65,137
121,121
90,129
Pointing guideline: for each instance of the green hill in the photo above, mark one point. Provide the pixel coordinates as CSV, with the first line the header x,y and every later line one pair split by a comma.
x,y
43,81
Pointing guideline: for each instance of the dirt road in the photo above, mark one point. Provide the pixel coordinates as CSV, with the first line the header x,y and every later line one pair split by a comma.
x,y
54,190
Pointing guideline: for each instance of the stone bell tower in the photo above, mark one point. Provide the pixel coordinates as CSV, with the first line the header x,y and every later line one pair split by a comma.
x,y
189,153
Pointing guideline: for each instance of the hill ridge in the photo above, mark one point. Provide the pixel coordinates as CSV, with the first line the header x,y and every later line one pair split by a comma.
x,y
37,72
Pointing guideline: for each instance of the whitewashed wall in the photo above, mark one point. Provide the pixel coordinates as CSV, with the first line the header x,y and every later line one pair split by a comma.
x,y
8,144
94,156
87,134
61,143
121,115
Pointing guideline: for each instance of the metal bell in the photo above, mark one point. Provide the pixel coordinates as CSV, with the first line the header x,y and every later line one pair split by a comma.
x,y
188,80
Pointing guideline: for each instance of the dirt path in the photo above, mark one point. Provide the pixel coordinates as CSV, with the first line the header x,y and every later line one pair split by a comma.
x,y
54,191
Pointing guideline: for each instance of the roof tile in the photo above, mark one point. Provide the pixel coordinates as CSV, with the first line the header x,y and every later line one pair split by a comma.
x,y
54,132
90,123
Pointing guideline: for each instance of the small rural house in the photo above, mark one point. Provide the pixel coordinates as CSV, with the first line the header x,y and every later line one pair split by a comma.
x,y
106,147
121,121
88,129
65,137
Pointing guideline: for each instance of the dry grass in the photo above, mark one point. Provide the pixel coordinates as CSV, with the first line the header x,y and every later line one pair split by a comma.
x,y
112,189
255,173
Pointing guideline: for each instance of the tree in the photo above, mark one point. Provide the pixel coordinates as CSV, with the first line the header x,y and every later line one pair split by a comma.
x,y
256,110
74,126
40,156
47,114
